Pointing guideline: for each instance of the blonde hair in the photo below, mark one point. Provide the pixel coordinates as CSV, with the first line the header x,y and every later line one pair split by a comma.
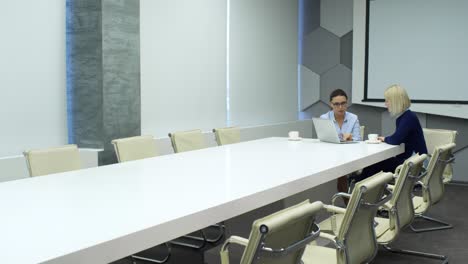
x,y
398,98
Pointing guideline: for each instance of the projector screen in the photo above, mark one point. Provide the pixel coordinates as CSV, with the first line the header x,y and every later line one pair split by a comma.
x,y
419,44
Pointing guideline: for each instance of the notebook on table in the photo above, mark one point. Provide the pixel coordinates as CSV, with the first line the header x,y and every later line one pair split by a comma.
x,y
325,129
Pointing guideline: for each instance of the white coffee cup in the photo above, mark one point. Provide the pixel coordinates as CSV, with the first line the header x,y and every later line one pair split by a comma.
x,y
293,134
372,137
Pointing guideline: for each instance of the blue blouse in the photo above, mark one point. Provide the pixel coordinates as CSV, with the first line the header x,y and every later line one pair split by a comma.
x,y
408,130
350,124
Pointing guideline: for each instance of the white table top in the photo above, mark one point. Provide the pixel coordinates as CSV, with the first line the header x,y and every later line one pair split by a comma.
x,y
102,214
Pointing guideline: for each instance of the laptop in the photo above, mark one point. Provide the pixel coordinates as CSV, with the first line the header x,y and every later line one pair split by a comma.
x,y
326,131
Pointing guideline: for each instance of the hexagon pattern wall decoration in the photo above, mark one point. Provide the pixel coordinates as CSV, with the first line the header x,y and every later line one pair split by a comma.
x,y
346,50
337,77
336,16
310,87
321,50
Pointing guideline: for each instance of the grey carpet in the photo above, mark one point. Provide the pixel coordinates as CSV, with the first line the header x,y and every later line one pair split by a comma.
x,y
451,242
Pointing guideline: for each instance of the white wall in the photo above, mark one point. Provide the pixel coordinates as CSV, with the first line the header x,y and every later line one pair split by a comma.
x,y
263,61
183,65
359,44
32,75
197,55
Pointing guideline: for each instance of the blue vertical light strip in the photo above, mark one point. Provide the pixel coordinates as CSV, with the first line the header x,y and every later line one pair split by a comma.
x,y
228,88
300,35
69,67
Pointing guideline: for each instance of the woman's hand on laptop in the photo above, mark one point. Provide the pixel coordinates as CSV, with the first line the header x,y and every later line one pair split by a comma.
x,y
347,137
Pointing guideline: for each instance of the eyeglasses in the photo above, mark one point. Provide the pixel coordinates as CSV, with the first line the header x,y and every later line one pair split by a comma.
x,y
342,104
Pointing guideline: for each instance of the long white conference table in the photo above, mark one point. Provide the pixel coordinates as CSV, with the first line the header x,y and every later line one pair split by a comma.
x,y
102,214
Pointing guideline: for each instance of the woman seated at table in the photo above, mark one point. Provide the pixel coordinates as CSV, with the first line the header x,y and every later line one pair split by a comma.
x,y
408,131
346,124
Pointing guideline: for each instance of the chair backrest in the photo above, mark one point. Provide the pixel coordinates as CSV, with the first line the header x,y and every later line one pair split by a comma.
x,y
280,230
187,140
362,129
227,135
437,137
134,148
402,199
52,160
356,232
441,156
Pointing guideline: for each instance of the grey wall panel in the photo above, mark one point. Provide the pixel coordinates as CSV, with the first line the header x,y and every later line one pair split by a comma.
x,y
321,50
121,72
346,50
310,87
316,110
336,16
339,77
311,15
84,44
104,73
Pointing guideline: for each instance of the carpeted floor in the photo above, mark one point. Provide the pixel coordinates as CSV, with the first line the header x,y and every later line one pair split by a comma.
x,y
452,242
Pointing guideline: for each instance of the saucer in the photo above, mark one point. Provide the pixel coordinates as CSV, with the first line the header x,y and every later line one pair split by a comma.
x,y
295,139
373,141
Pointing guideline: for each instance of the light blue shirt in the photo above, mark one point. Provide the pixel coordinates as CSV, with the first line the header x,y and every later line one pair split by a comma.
x,y
350,124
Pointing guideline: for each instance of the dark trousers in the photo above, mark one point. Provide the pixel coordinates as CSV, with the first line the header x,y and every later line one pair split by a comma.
x,y
388,165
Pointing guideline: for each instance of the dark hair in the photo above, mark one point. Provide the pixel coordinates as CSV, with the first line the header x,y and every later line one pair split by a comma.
x,y
338,92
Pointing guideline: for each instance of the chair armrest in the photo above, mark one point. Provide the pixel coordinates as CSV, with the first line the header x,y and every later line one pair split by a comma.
x,y
328,236
397,171
334,209
332,238
340,194
420,183
224,253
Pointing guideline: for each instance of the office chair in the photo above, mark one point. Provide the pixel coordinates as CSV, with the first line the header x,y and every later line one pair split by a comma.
x,y
351,230
227,135
278,238
187,141
52,160
437,137
400,207
135,148
433,187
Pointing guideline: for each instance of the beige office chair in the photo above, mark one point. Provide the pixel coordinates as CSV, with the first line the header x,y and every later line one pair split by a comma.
x,y
433,187
437,137
227,135
278,238
362,129
135,148
354,238
400,207
187,140
52,160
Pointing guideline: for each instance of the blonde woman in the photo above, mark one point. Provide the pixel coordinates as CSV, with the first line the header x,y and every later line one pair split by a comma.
x,y
408,130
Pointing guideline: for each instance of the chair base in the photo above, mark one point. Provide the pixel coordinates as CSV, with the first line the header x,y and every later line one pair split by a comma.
x,y
445,259
151,260
442,225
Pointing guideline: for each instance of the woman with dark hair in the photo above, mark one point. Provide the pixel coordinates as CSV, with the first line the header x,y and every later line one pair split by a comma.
x,y
346,124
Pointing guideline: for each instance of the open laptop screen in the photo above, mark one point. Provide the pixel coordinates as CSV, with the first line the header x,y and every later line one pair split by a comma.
x,y
326,131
